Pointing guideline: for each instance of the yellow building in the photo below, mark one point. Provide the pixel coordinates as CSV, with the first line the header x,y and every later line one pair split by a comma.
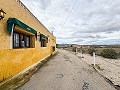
x,y
24,40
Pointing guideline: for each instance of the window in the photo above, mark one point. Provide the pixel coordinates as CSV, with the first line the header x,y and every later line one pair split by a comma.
x,y
43,40
21,40
53,48
43,43
27,41
16,40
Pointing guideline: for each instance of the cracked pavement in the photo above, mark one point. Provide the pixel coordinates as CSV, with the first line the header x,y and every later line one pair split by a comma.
x,y
66,71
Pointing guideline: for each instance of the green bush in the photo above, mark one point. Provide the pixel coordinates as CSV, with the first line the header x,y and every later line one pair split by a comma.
x,y
91,50
109,53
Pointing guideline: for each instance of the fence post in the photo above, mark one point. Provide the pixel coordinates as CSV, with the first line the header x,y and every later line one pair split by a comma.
x,y
76,50
81,54
94,58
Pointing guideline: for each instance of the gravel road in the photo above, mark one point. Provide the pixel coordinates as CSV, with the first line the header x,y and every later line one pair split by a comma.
x,y
66,71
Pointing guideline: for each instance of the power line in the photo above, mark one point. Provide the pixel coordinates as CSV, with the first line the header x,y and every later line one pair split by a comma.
x,y
69,14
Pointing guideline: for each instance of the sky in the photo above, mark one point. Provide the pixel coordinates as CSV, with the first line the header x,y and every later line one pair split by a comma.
x,y
82,22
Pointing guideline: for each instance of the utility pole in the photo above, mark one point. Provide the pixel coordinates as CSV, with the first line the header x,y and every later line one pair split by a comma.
x,y
52,32
81,53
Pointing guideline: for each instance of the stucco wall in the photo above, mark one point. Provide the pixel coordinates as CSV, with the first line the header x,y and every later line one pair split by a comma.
x,y
12,61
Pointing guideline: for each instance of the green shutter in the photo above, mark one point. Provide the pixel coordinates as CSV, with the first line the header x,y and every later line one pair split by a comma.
x,y
15,21
43,36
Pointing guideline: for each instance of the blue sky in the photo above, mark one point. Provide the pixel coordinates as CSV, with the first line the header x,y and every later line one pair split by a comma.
x,y
90,22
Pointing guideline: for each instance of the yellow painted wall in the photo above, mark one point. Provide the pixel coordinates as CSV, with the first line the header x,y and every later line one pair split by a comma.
x,y
12,61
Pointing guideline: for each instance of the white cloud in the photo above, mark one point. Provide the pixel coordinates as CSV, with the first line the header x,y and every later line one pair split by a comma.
x,y
90,22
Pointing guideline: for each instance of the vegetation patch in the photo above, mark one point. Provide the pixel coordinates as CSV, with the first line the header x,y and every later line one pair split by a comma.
x,y
91,50
109,53
74,49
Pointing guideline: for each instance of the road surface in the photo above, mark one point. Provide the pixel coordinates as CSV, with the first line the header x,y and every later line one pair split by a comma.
x,y
66,71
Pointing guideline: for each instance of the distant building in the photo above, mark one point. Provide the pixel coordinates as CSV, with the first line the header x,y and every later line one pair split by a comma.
x,y
63,45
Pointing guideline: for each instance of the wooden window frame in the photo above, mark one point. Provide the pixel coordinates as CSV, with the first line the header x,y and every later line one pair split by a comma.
x,y
24,39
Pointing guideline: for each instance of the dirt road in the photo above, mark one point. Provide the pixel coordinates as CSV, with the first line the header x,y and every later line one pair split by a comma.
x,y
66,71
109,68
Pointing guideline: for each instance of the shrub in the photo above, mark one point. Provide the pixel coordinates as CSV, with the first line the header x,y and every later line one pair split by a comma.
x,y
79,50
119,55
83,51
109,53
91,50
74,49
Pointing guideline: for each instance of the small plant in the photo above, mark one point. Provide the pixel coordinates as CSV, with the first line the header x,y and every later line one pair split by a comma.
x,y
109,53
91,50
